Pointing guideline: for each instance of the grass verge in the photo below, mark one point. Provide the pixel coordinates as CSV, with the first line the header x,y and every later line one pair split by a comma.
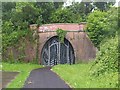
x,y
23,68
78,76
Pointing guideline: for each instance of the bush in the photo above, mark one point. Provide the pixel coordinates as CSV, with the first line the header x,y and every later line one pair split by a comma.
x,y
101,25
61,16
107,58
65,16
97,26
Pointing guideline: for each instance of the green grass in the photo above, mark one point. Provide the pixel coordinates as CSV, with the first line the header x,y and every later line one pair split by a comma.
x,y
78,76
23,68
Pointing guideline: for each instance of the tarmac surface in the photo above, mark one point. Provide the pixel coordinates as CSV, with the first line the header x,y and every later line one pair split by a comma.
x,y
44,78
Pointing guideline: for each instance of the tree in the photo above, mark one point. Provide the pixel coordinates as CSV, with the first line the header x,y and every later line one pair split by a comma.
x,y
101,24
21,16
58,4
15,29
103,6
82,9
7,7
62,16
46,10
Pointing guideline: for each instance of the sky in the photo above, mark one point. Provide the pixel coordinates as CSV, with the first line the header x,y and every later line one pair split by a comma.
x,y
117,4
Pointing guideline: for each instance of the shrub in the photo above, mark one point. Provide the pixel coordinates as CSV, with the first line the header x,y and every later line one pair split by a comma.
x,y
101,25
107,58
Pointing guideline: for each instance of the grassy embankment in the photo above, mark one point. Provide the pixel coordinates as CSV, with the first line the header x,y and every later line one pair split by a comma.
x,y
78,76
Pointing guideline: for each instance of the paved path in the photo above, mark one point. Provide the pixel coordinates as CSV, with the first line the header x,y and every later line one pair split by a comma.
x,y
44,78
7,77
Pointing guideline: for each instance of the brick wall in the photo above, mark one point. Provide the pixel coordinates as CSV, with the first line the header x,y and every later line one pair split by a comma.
x,y
83,47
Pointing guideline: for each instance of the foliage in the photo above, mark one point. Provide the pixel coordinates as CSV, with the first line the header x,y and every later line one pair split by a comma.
x,y
81,9
26,12
24,71
20,5
97,26
58,4
104,6
103,32
107,58
16,28
18,25
85,8
7,7
101,24
78,76
113,21
46,10
61,34
65,15
61,16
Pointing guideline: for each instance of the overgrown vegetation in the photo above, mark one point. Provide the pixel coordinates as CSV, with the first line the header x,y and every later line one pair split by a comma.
x,y
103,32
61,34
101,24
107,58
15,29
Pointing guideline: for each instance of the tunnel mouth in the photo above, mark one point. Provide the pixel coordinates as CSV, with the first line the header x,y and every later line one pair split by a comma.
x,y
54,52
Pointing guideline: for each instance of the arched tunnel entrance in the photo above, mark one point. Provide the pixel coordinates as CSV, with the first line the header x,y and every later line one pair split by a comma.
x,y
54,52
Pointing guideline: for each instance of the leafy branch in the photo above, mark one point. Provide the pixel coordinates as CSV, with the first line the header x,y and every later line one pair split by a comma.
x,y
61,34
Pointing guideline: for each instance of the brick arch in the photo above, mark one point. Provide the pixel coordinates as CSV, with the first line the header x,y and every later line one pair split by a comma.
x,y
84,49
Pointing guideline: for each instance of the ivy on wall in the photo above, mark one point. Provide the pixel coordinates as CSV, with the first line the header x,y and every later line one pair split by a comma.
x,y
61,34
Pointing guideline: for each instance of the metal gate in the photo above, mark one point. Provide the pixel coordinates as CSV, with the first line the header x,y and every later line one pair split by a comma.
x,y
54,52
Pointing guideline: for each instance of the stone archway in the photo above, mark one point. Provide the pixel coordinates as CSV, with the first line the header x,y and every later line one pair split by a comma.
x,y
54,52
